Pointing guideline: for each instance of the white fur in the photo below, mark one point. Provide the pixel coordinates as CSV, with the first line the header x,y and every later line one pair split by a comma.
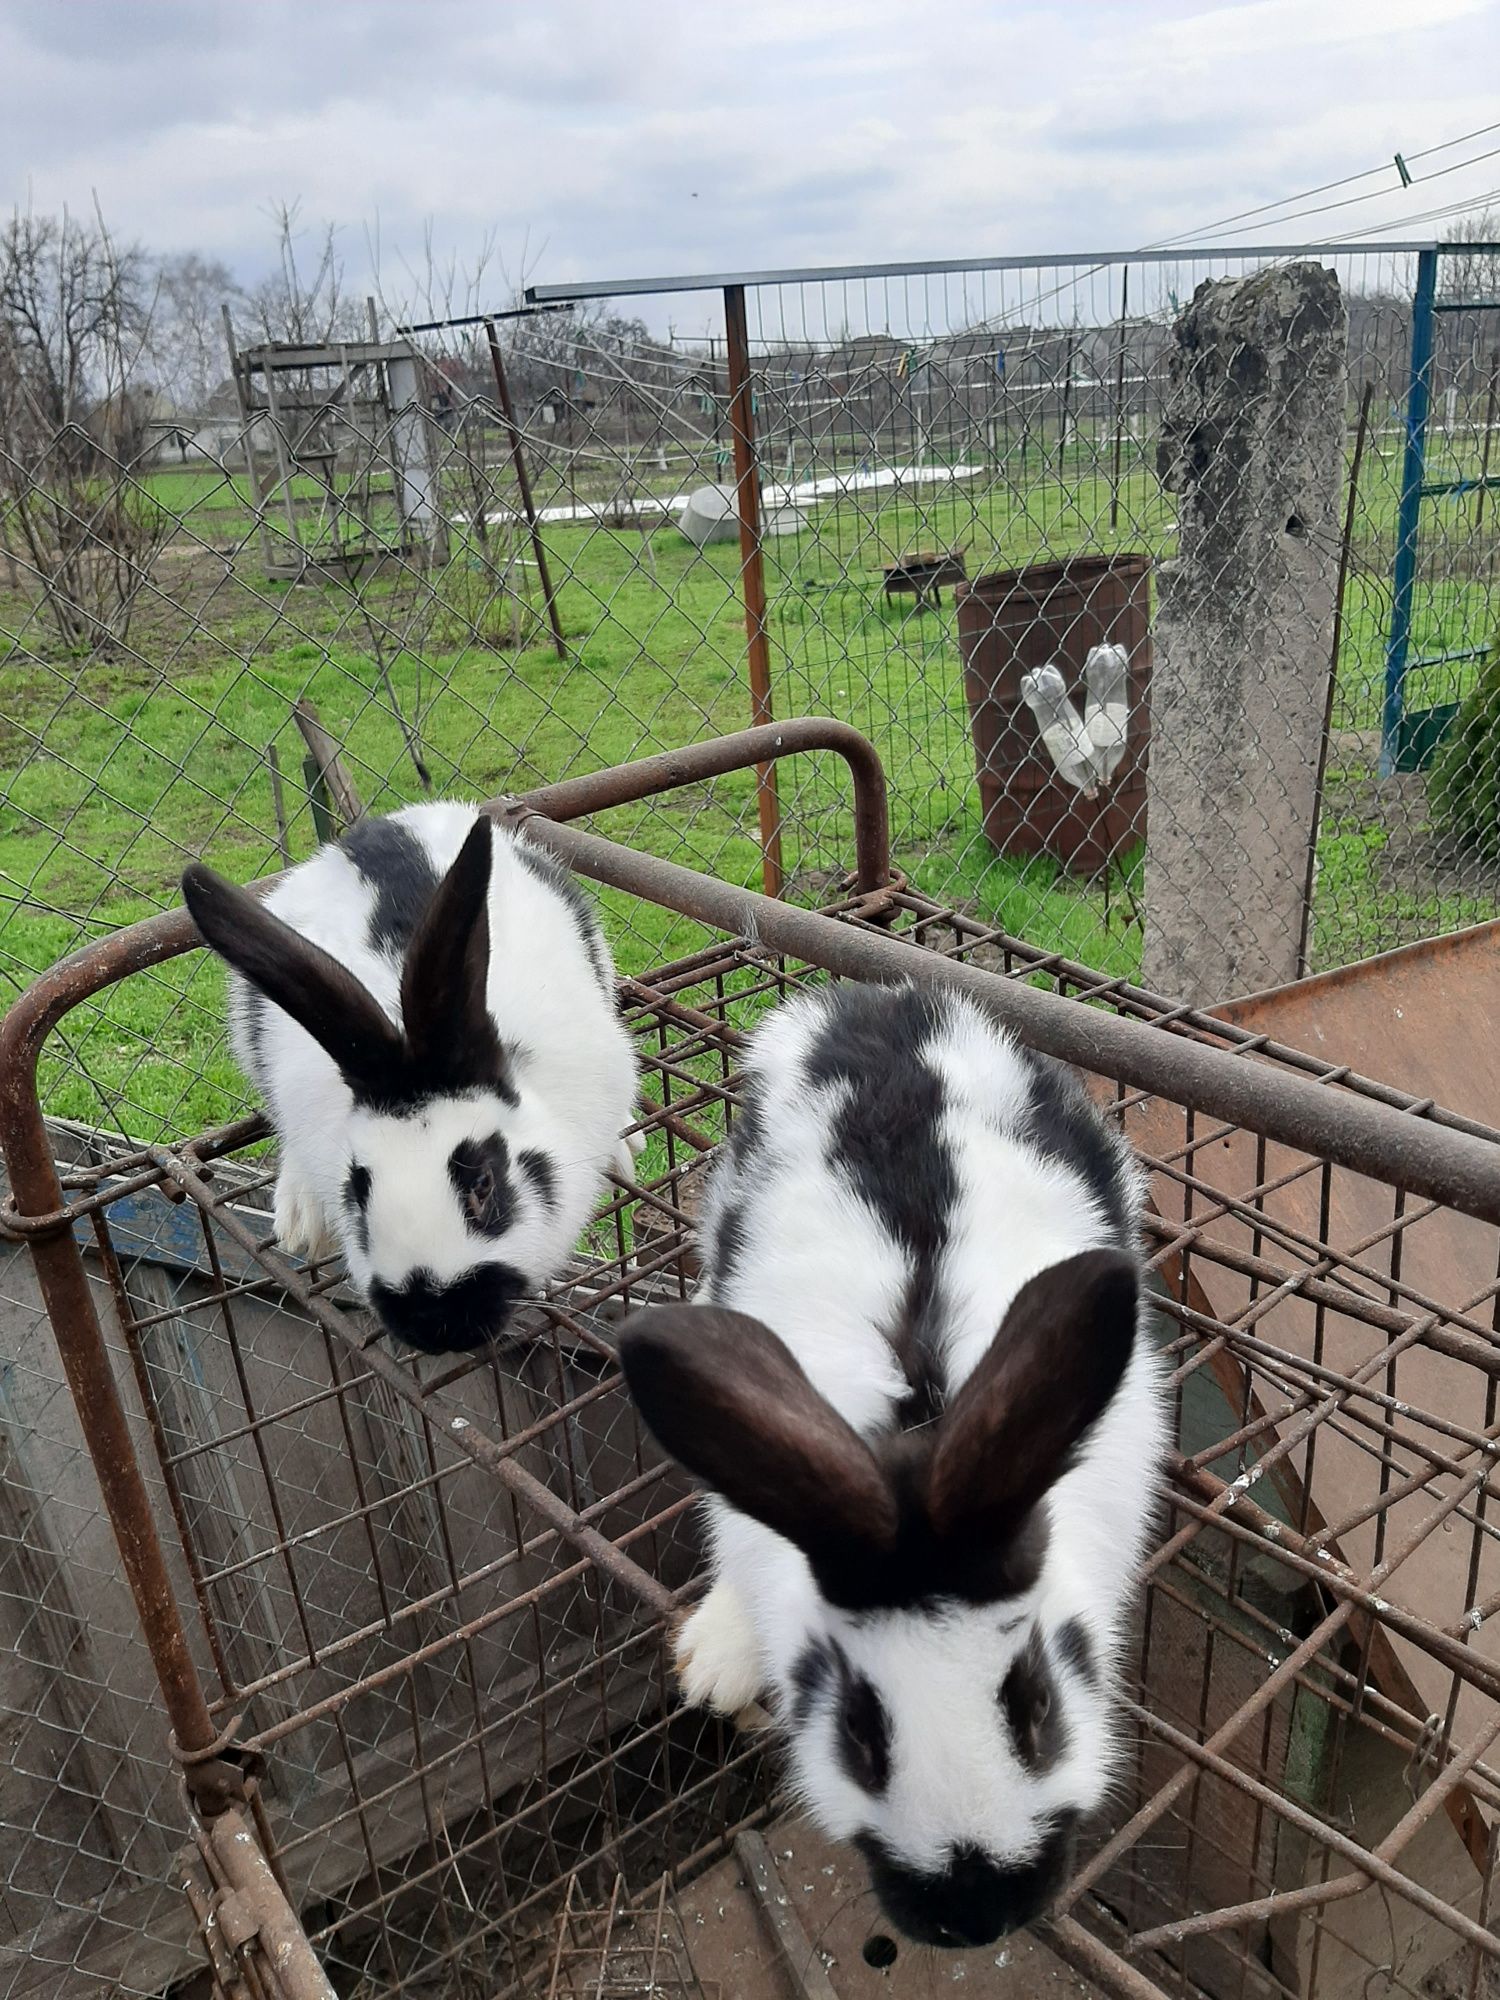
x,y
571,1061
820,1270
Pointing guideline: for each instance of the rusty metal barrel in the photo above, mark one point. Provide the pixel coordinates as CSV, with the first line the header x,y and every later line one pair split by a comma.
x,y
1054,613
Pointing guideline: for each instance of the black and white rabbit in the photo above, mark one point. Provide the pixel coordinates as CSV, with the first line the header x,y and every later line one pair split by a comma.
x,y
428,1008
919,1385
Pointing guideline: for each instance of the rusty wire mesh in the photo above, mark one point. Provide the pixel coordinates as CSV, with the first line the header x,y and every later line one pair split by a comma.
x,y
334,1544
427,1601
356,538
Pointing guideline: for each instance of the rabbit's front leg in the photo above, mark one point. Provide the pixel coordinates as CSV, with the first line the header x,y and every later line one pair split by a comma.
x,y
718,1655
298,1216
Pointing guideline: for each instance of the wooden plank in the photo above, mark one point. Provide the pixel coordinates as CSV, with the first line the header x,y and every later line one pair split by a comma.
x,y
798,1954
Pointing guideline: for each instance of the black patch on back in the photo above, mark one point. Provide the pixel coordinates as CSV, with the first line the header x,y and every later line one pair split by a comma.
x,y
399,869
887,1142
1076,1649
538,1170
915,1338
546,868
357,1203
1065,1125
809,1675
1032,1708
480,1170
864,1732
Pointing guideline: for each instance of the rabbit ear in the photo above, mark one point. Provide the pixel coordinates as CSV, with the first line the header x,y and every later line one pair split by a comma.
x,y
1047,1376
443,983
321,995
726,1399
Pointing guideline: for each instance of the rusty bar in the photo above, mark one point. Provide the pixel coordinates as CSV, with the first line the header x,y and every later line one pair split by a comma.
x,y
1095,1962
523,481
1429,1160
695,764
1361,429
1489,432
65,1290
752,572
1114,484
281,1938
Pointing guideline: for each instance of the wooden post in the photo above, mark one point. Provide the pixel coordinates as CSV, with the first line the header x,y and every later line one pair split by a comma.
x,y
327,768
518,456
752,574
278,806
241,382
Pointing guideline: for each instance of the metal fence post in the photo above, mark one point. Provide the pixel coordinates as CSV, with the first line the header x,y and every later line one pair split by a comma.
x,y
1413,467
752,574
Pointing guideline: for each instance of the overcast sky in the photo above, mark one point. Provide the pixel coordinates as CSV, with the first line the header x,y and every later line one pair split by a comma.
x,y
604,138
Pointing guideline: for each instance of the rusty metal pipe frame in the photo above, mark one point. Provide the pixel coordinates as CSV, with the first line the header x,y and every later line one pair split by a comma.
x,y
671,770
37,1198
1461,1171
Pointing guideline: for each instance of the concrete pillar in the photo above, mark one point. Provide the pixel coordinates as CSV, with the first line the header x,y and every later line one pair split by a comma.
x,y
1252,443
412,448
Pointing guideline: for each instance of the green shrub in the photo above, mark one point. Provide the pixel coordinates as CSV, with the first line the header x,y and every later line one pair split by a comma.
x,y
1464,781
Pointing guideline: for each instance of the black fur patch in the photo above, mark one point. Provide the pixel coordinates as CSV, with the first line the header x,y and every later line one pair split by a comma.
x,y
1076,1649
923,1569
974,1898
746,1129
357,1202
255,1037
1033,1711
809,1676
480,1170
546,868
538,1170
1066,1126
452,1318
886,1140
399,869
728,1245
864,1732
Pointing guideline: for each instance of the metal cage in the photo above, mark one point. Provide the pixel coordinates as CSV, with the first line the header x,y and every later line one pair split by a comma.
x,y
405,1621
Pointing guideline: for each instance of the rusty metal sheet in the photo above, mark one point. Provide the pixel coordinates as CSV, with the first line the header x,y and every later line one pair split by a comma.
x,y
1426,1019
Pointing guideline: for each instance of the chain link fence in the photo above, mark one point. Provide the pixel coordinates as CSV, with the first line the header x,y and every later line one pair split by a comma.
x,y
477,559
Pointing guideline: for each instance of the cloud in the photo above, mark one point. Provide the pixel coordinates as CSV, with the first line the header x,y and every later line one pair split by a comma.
x,y
602,137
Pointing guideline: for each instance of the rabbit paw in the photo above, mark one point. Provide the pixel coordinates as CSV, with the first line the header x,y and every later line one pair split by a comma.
x,y
718,1660
627,1152
298,1219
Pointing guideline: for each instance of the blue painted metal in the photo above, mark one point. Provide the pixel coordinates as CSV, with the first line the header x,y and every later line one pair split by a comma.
x,y
1437,489
1398,645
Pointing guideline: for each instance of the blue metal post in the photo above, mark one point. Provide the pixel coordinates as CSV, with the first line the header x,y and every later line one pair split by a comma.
x,y
1413,466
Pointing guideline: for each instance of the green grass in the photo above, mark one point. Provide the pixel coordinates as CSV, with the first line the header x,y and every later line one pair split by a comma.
x,y
118,770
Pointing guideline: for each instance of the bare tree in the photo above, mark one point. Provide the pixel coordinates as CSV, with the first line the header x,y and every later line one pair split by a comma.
x,y
79,531
1471,271
185,351
303,297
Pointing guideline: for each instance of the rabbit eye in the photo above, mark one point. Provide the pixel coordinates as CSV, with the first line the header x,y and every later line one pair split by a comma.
x,y
1041,1708
478,1172
865,1735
